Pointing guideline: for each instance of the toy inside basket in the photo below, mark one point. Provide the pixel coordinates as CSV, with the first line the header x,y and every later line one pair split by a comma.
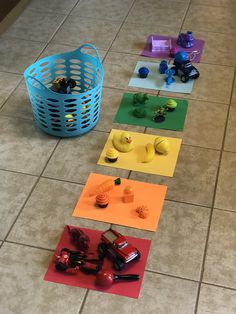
x,y
72,114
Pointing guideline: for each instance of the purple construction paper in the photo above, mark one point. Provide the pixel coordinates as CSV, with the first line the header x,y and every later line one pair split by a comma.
x,y
198,46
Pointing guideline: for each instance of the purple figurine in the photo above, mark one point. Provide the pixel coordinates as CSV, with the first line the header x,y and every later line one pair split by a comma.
x,y
186,40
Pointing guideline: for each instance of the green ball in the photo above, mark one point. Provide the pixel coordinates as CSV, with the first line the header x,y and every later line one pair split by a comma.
x,y
171,104
139,113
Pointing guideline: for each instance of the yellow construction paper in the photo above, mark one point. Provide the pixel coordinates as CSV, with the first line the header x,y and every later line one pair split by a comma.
x,y
160,165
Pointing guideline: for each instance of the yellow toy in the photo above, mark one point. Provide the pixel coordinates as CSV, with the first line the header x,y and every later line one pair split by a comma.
x,y
161,145
150,152
123,142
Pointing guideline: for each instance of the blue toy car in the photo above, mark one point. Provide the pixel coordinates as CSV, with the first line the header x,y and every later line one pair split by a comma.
x,y
184,69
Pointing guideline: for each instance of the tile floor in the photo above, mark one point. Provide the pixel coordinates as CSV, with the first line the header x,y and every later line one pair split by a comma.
x,y
192,263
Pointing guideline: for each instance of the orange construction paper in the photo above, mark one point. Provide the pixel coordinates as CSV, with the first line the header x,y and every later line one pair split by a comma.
x,y
163,165
118,212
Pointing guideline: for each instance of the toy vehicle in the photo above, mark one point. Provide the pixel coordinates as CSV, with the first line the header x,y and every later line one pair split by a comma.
x,y
185,70
116,247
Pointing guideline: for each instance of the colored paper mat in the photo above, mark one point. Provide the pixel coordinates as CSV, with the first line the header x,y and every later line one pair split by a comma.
x,y
174,120
194,52
156,81
80,279
163,165
149,195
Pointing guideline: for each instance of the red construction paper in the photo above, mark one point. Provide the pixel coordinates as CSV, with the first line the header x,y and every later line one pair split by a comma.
x,y
129,289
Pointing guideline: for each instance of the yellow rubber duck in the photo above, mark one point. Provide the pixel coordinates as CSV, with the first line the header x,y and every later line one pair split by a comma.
x,y
122,142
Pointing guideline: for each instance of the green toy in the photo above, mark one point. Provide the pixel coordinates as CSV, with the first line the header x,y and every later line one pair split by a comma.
x,y
171,104
140,98
160,114
140,112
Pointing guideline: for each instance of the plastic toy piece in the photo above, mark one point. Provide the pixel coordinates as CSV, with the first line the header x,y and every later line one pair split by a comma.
x,y
116,247
140,112
60,85
79,238
160,114
171,104
184,68
128,196
105,278
140,98
106,186
143,72
150,153
163,67
169,79
102,200
160,45
162,145
186,40
142,211
112,155
123,142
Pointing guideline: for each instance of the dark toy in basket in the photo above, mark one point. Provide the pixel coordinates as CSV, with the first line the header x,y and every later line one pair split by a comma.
x,y
60,85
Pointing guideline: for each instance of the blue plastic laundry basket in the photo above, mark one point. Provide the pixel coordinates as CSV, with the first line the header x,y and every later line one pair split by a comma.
x,y
66,115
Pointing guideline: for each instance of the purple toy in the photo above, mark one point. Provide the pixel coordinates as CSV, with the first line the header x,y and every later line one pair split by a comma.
x,y
185,40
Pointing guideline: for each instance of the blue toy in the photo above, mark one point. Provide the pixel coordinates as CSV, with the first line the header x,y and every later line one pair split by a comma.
x,y
163,67
185,40
143,72
181,56
169,79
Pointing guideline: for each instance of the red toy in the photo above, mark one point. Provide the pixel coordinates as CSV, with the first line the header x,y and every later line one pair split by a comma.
x,y
79,238
116,247
106,278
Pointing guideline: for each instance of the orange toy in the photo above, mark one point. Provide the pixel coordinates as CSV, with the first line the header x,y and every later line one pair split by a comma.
x,y
102,200
128,196
106,186
142,211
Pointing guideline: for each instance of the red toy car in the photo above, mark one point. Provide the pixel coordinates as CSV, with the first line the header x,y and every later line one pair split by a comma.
x,y
115,246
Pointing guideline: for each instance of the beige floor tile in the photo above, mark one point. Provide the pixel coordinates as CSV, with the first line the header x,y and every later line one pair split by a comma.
x,y
226,187
8,83
46,213
219,48
23,148
25,292
194,177
79,30
221,259
75,158
14,189
178,245
158,12
216,300
204,125
159,294
111,99
119,68
210,86
52,6
12,57
233,100
32,25
132,37
211,19
18,104
104,9
220,3
230,139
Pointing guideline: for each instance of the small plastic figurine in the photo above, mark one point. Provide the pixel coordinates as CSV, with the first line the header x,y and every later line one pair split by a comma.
x,y
123,142
163,67
160,115
184,68
169,79
106,186
185,40
170,105
60,85
143,72
161,145
140,98
102,200
150,153
112,154
128,196
79,238
142,211
140,112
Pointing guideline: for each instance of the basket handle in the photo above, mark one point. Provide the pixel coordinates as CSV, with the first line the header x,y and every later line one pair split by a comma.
x,y
33,78
92,47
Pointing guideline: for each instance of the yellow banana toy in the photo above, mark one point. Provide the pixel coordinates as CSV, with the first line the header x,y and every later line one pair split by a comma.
x,y
150,152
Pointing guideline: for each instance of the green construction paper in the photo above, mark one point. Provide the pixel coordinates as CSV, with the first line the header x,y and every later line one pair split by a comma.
x,y
174,120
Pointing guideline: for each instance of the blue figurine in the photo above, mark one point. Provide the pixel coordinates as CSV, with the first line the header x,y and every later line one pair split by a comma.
x,y
169,79
163,67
